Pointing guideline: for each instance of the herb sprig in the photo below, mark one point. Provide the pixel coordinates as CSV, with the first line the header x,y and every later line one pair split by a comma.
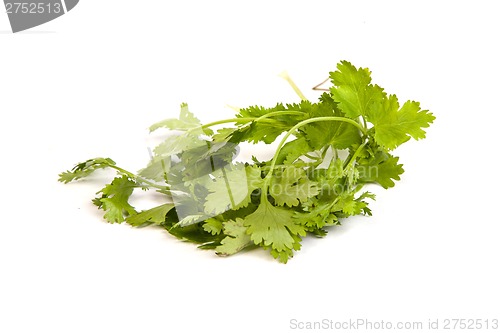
x,y
327,151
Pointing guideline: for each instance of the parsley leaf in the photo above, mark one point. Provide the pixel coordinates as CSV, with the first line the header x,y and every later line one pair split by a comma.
x,y
236,240
273,226
393,125
213,226
382,168
114,199
338,134
154,215
353,90
84,169
291,186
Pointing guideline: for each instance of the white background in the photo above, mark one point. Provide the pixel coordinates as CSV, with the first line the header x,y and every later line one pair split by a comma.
x,y
90,83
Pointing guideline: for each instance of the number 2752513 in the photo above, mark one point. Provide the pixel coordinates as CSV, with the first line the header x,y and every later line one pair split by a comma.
x,y
33,8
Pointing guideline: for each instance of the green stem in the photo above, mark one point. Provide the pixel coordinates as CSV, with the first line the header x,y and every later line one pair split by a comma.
x,y
325,151
251,119
355,155
312,157
306,164
281,113
267,179
225,121
287,78
140,179
335,153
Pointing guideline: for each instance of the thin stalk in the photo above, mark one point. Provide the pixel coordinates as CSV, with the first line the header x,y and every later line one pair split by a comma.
x,y
355,155
287,78
290,132
225,121
312,157
280,113
251,119
140,179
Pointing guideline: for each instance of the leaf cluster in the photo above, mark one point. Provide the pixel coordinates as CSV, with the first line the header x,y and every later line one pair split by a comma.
x,y
327,151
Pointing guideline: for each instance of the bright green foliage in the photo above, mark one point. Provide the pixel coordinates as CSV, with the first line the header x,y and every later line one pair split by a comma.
x,y
82,170
114,199
291,186
274,227
358,97
292,150
394,126
213,226
237,238
327,151
340,135
353,90
155,215
382,168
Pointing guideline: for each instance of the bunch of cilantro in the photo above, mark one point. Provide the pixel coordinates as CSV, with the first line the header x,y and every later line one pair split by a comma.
x,y
327,152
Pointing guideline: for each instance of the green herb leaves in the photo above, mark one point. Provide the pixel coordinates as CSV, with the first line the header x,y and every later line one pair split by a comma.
x,y
358,97
114,199
394,125
327,151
